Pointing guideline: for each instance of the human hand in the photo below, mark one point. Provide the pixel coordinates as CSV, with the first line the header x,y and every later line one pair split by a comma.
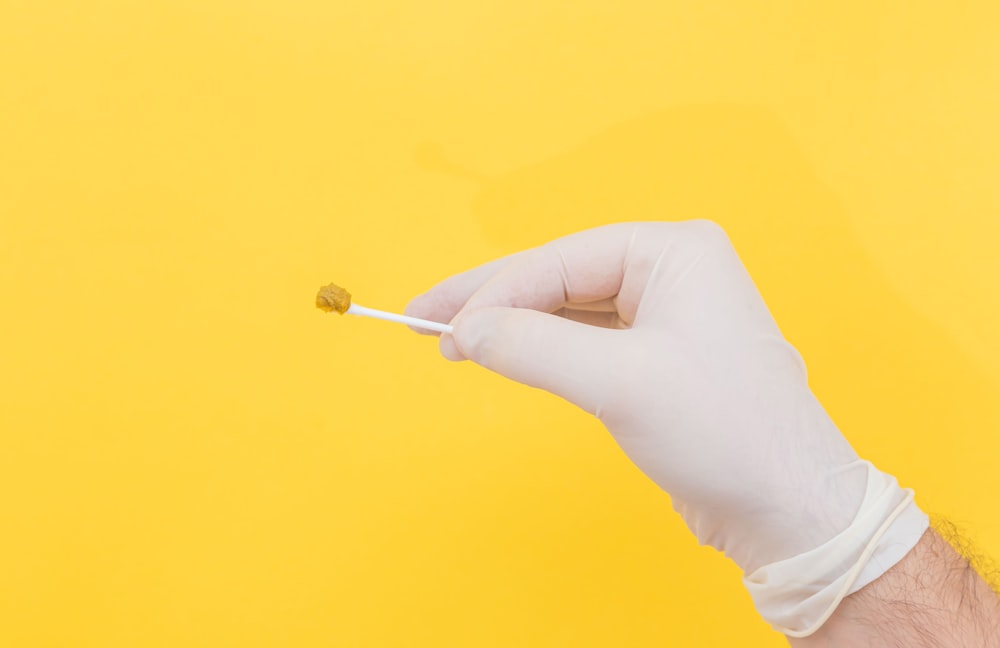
x,y
658,330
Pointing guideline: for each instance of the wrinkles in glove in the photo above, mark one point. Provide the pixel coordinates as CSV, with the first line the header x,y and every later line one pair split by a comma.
x,y
658,330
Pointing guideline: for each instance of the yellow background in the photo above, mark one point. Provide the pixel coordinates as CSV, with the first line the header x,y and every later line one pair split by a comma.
x,y
192,455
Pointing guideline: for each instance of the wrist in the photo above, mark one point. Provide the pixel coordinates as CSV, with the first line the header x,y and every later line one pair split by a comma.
x,y
933,596
798,594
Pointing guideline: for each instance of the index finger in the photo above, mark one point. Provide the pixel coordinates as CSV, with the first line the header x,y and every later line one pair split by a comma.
x,y
442,302
585,267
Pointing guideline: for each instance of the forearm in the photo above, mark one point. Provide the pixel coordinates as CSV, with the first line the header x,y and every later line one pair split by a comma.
x,y
933,597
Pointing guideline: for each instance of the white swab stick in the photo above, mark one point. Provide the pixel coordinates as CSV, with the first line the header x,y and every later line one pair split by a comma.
x,y
354,309
332,297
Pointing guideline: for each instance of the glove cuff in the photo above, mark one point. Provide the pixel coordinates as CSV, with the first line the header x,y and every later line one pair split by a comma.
x,y
797,595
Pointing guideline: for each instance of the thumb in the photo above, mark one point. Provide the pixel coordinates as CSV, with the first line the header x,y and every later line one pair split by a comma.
x,y
561,356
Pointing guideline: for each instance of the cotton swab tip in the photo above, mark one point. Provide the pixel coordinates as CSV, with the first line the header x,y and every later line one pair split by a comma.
x,y
332,297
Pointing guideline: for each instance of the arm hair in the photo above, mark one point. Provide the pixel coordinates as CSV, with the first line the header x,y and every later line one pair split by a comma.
x,y
942,594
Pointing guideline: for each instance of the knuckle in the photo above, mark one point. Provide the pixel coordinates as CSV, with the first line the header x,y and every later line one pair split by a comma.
x,y
706,235
710,231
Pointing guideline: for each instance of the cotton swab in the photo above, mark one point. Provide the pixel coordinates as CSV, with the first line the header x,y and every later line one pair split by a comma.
x,y
332,297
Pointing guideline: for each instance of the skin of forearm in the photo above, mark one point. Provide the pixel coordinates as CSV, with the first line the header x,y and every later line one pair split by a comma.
x,y
932,597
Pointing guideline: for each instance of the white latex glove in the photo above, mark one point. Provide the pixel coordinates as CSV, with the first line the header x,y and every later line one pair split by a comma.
x,y
658,330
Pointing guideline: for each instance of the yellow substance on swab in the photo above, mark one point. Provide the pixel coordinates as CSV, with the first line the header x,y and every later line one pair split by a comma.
x,y
332,297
